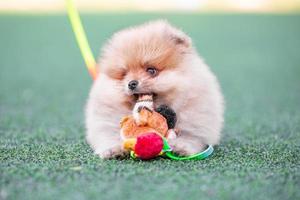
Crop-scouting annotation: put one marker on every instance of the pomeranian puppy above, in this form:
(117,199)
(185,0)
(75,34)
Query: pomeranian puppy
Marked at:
(159,59)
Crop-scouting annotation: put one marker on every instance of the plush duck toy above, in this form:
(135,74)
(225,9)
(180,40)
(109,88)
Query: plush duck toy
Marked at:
(144,130)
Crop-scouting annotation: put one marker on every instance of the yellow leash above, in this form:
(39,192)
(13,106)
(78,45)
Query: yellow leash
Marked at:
(81,39)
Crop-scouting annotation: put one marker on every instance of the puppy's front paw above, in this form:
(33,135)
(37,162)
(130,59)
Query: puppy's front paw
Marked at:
(184,148)
(116,152)
(179,148)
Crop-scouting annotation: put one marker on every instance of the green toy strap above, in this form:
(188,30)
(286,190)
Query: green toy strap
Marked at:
(198,156)
(167,151)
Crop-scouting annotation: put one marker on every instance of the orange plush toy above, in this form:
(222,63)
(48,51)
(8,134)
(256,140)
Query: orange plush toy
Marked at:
(142,132)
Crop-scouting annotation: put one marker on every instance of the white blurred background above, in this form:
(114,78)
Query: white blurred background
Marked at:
(154,5)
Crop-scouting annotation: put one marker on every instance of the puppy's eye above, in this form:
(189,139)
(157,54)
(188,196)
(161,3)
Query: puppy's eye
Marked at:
(117,74)
(152,71)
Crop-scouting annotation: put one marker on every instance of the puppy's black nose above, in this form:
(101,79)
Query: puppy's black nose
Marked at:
(133,84)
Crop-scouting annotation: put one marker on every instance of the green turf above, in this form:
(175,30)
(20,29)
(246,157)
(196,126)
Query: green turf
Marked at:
(44,86)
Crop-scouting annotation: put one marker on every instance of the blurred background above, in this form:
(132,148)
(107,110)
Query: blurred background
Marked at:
(251,45)
(154,5)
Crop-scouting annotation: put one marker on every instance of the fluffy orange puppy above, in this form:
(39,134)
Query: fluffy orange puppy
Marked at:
(154,58)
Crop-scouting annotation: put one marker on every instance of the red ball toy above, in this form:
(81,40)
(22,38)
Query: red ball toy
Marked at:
(148,146)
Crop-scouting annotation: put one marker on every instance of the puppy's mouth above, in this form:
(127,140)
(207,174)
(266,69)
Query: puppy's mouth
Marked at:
(137,94)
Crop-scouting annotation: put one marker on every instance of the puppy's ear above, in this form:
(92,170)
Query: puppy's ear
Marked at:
(181,40)
(178,37)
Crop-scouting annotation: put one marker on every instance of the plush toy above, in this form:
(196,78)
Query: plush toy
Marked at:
(145,146)
(144,130)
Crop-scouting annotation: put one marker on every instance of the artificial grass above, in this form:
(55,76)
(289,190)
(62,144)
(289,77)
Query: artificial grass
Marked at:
(44,86)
